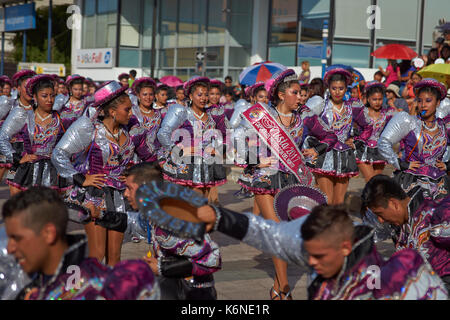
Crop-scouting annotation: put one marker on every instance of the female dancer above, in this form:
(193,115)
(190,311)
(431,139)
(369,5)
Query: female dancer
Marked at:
(201,166)
(98,184)
(333,171)
(75,105)
(425,140)
(266,178)
(145,121)
(370,120)
(40,128)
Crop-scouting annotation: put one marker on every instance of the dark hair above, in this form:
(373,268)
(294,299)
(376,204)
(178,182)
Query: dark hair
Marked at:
(144,173)
(162,87)
(416,72)
(282,87)
(143,85)
(197,85)
(179,88)
(261,88)
(133,73)
(379,190)
(114,103)
(304,88)
(447,48)
(216,85)
(316,87)
(379,73)
(404,66)
(229,91)
(229,78)
(373,90)
(77,81)
(326,219)
(430,59)
(22,79)
(337,77)
(38,206)
(43,84)
(435,92)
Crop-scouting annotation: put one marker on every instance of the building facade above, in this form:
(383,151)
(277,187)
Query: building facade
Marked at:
(165,37)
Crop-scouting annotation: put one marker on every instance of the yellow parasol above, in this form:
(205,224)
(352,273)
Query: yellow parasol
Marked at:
(440,72)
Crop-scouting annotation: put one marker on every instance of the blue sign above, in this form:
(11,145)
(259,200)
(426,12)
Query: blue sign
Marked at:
(310,51)
(21,17)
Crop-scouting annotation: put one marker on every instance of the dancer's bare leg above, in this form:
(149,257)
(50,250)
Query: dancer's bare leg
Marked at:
(326,185)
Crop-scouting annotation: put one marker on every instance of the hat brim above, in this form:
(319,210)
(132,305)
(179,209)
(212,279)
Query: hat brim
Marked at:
(428,82)
(277,80)
(138,82)
(171,207)
(281,200)
(348,76)
(35,80)
(110,97)
(188,84)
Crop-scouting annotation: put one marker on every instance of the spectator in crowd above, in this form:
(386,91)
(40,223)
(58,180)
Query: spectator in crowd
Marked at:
(132,78)
(392,73)
(305,75)
(394,100)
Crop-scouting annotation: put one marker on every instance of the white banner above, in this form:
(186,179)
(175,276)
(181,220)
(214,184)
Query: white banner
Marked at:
(95,58)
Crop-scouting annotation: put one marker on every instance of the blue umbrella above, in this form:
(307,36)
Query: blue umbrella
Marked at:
(261,71)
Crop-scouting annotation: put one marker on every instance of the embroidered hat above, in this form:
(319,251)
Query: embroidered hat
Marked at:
(296,201)
(374,84)
(217,84)
(123,76)
(142,80)
(5,79)
(279,77)
(109,91)
(250,91)
(74,77)
(333,71)
(188,84)
(31,83)
(21,74)
(430,82)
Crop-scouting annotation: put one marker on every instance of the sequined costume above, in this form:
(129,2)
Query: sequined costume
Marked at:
(340,161)
(71,111)
(418,146)
(6,104)
(143,130)
(100,155)
(37,140)
(406,275)
(270,180)
(428,231)
(369,131)
(239,127)
(203,169)
(128,280)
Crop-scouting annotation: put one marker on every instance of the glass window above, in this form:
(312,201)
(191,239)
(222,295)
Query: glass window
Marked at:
(394,14)
(147,24)
(313,14)
(166,58)
(282,54)
(106,30)
(107,6)
(186,57)
(146,58)
(216,57)
(241,20)
(88,35)
(217,21)
(191,27)
(354,55)
(315,9)
(356,26)
(129,58)
(214,73)
(435,10)
(283,21)
(89,8)
(168,24)
(130,21)
(239,57)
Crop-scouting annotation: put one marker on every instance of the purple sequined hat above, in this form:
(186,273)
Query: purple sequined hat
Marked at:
(74,77)
(277,78)
(218,83)
(188,84)
(35,80)
(5,79)
(373,84)
(296,201)
(22,73)
(250,91)
(345,73)
(430,82)
(109,91)
(142,80)
(123,75)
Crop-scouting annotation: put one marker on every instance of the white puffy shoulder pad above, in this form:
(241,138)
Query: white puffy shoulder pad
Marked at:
(316,104)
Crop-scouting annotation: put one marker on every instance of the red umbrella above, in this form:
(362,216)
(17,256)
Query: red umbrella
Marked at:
(394,51)
(171,81)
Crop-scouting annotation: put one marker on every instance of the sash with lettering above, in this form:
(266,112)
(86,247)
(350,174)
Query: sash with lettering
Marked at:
(279,142)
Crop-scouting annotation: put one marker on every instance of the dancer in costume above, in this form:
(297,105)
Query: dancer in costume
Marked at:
(161,96)
(185,266)
(36,222)
(269,175)
(370,120)
(334,170)
(97,181)
(40,129)
(123,79)
(201,166)
(145,122)
(425,224)
(75,105)
(425,140)
(6,86)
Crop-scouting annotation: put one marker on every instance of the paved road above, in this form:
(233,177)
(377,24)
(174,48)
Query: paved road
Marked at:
(247,273)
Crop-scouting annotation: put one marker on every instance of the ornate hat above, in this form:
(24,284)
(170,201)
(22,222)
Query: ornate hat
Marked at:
(170,206)
(217,83)
(188,84)
(279,77)
(142,80)
(250,91)
(74,77)
(348,76)
(29,87)
(19,75)
(90,82)
(374,84)
(109,91)
(430,82)
(123,75)
(296,201)
(5,79)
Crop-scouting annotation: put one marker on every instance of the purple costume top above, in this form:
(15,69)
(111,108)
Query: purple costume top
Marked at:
(418,145)
(428,231)
(143,131)
(370,129)
(128,280)
(71,111)
(205,257)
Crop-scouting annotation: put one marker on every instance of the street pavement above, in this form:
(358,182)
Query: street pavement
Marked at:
(247,273)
